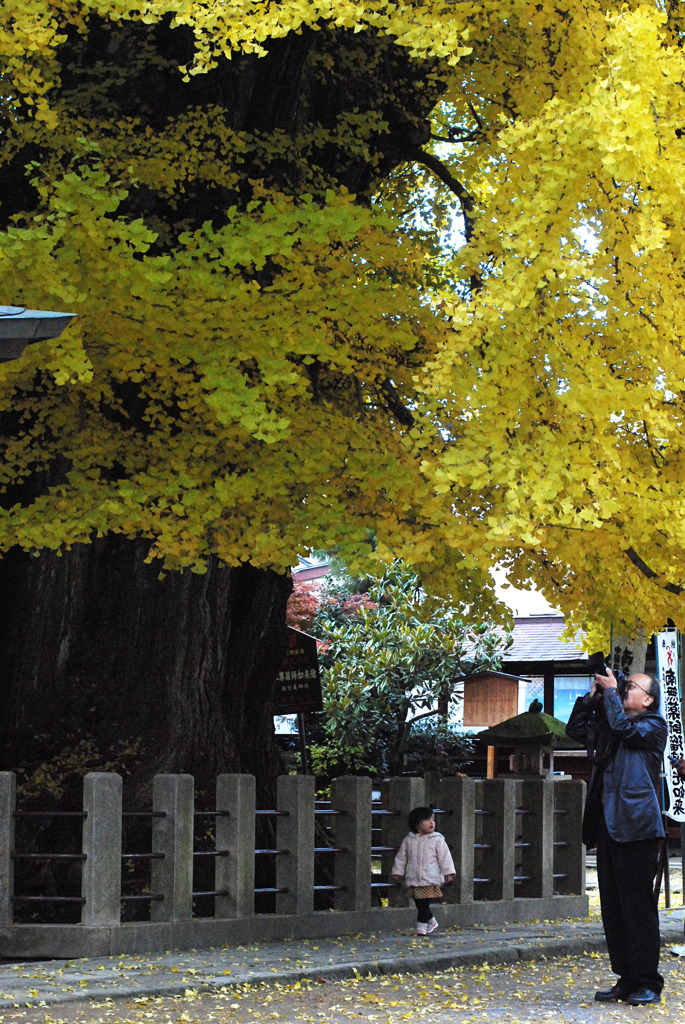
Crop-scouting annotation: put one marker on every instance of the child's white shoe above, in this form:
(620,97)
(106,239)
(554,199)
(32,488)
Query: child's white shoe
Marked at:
(421,928)
(431,926)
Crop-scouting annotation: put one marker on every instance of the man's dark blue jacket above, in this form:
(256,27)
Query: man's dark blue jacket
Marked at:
(625,779)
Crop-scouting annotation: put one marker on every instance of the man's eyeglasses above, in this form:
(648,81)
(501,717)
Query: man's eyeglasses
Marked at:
(636,686)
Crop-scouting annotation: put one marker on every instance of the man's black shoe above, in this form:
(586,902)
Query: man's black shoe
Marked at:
(643,996)
(613,994)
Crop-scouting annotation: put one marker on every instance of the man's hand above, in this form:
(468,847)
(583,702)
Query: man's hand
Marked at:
(602,683)
(449,879)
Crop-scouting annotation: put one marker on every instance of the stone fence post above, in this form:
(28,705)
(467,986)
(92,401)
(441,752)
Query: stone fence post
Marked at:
(569,851)
(535,833)
(8,795)
(295,833)
(495,818)
(101,881)
(457,797)
(351,828)
(172,835)
(235,835)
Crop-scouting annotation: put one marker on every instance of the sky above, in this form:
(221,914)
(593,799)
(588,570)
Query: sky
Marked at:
(521,602)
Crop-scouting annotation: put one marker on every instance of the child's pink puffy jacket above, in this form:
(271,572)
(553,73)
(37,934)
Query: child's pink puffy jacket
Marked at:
(423,860)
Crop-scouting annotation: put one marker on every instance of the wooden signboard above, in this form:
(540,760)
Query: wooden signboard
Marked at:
(298,684)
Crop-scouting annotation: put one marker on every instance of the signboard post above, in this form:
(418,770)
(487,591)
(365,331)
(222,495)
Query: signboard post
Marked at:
(298,684)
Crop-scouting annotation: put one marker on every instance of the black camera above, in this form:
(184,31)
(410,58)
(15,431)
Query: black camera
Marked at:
(598,663)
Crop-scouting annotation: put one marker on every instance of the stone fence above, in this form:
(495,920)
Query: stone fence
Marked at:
(516,846)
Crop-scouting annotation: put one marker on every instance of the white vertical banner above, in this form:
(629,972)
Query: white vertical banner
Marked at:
(668,670)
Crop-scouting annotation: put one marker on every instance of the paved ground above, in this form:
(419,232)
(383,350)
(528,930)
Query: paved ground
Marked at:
(515,973)
(60,984)
(558,991)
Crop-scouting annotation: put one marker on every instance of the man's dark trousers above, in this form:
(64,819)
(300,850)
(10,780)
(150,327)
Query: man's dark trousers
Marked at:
(625,875)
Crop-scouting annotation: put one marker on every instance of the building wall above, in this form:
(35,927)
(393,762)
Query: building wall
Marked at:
(489,700)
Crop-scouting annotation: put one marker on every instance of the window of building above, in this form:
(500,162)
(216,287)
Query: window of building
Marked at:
(566,690)
(530,690)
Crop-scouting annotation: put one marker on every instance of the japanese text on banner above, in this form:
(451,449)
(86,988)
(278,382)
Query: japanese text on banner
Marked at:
(668,669)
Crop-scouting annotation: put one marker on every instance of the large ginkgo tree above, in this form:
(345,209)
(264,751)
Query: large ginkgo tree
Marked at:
(403,270)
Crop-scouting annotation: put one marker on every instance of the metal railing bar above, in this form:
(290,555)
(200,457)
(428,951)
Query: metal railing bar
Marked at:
(49,856)
(154,897)
(143,814)
(50,814)
(143,856)
(48,899)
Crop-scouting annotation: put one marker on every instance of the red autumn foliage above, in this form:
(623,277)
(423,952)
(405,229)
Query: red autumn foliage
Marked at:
(306,601)
(303,605)
(355,603)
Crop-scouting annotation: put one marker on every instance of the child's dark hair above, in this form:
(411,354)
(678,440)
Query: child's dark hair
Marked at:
(418,815)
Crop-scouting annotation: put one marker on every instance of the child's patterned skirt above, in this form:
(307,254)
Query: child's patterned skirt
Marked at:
(425,892)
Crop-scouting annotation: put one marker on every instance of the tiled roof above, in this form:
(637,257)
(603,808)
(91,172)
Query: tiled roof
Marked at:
(310,562)
(536,638)
(310,568)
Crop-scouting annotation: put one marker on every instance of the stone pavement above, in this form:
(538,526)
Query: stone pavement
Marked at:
(45,983)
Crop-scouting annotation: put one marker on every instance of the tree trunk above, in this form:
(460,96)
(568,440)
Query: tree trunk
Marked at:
(101,657)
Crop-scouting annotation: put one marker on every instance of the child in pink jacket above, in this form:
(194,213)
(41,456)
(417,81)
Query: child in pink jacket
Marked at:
(424,862)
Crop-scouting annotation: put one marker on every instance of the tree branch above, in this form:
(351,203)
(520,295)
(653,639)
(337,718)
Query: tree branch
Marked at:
(396,405)
(460,191)
(424,714)
(406,729)
(639,563)
(453,184)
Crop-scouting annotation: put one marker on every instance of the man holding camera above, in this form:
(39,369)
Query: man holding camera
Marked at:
(625,737)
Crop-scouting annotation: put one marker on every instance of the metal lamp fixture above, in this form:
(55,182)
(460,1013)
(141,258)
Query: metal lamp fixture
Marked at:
(20,327)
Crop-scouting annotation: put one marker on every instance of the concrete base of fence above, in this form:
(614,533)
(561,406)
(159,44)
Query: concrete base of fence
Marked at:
(64,941)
